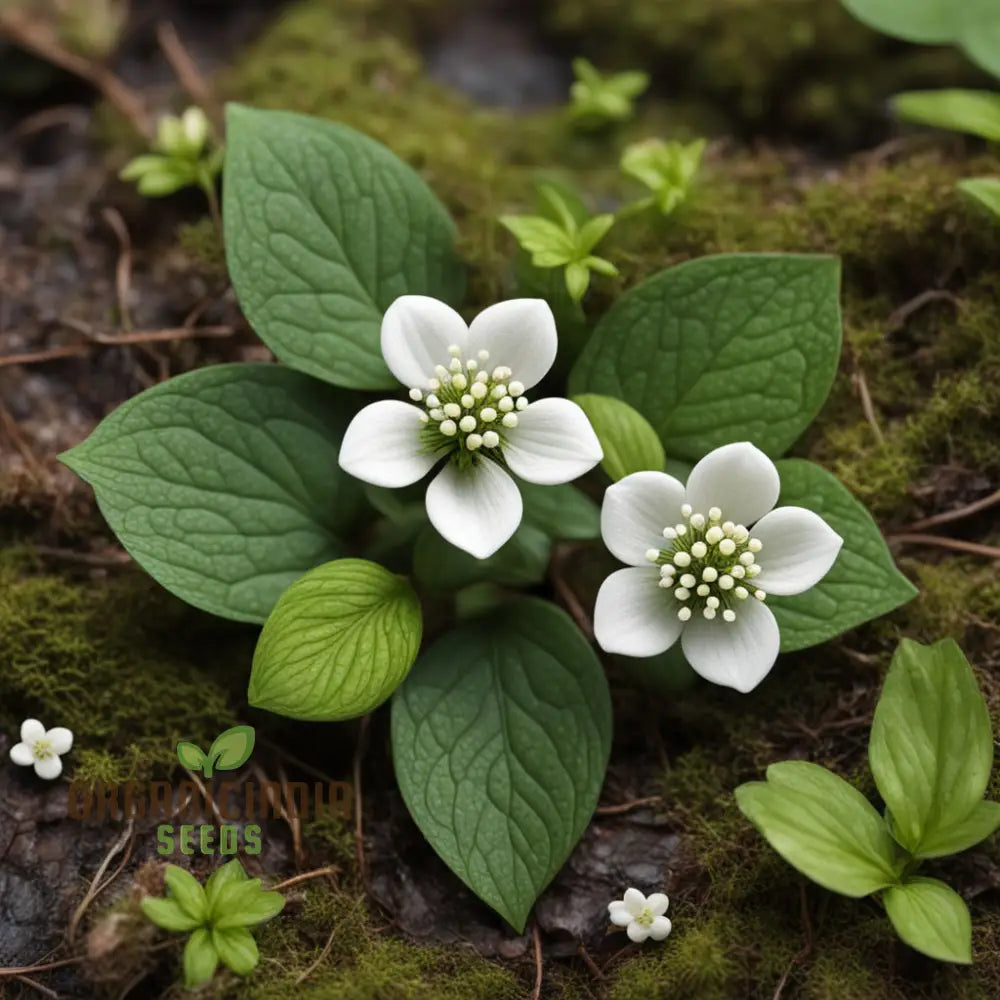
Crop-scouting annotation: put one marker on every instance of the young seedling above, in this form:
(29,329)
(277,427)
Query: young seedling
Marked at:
(668,169)
(596,99)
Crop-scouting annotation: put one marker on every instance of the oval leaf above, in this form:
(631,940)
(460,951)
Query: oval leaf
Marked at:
(982,822)
(562,511)
(190,756)
(223,483)
(236,949)
(232,748)
(629,443)
(929,21)
(974,111)
(863,583)
(500,739)
(735,347)
(931,745)
(822,826)
(338,643)
(932,918)
(324,229)
(985,190)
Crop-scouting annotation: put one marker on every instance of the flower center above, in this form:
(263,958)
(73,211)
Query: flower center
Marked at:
(42,749)
(469,406)
(709,564)
(646,918)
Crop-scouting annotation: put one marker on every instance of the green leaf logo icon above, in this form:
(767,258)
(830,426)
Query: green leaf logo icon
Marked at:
(229,750)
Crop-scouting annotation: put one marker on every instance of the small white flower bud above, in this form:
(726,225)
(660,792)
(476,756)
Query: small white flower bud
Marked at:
(433,401)
(433,384)
(448,428)
(710,574)
(477,390)
(467,401)
(754,545)
(713,602)
(747,558)
(652,554)
(669,534)
(742,593)
(442,373)
(682,559)
(455,366)
(699,550)
(491,439)
(686,510)
(424,419)
(505,405)
(454,350)
(682,593)
(681,529)
(459,381)
(665,582)
(522,402)
(714,514)
(452,410)
(684,614)
(714,535)
(759,594)
(725,582)
(437,414)
(753,570)
(471,365)
(487,414)
(698,521)
(668,570)
(509,420)
(728,528)
(516,388)
(703,590)
(729,615)
(738,572)
(483,355)
(474,441)
(708,613)
(499,392)
(467,423)
(416,395)
(727,546)
(741,534)
(482,376)
(687,580)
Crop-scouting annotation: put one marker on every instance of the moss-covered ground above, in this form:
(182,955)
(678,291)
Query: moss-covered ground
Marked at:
(911,428)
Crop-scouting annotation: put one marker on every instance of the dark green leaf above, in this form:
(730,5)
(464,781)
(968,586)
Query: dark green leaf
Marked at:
(562,512)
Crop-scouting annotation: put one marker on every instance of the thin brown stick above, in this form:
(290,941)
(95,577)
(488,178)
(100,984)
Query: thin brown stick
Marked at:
(301,764)
(946,517)
(304,877)
(10,430)
(27,970)
(359,823)
(40,38)
(154,336)
(205,795)
(624,807)
(313,966)
(565,592)
(33,357)
(958,544)
(293,819)
(123,267)
(96,887)
(867,408)
(898,317)
(188,74)
(36,985)
(592,966)
(536,937)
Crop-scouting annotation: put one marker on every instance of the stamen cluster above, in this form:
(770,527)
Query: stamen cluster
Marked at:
(469,406)
(709,564)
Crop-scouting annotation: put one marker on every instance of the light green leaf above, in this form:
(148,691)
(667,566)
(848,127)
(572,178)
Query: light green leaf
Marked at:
(931,745)
(577,280)
(186,891)
(230,873)
(324,229)
(232,748)
(982,822)
(822,826)
(243,904)
(521,561)
(592,232)
(734,347)
(168,914)
(863,583)
(145,164)
(629,443)
(337,644)
(190,755)
(540,237)
(986,190)
(500,739)
(931,917)
(200,959)
(974,111)
(223,483)
(562,512)
(979,32)
(930,21)
(236,948)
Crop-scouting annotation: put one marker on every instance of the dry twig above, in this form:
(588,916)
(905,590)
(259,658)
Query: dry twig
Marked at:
(124,842)
(188,74)
(958,544)
(536,937)
(359,830)
(946,517)
(304,877)
(624,807)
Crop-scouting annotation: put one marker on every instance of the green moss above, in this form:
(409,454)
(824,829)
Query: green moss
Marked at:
(202,242)
(129,669)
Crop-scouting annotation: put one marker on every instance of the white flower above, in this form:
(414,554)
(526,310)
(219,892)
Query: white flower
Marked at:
(469,384)
(642,916)
(699,574)
(42,747)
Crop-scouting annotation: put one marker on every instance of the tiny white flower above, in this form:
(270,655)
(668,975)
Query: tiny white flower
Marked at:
(477,372)
(42,747)
(641,916)
(786,550)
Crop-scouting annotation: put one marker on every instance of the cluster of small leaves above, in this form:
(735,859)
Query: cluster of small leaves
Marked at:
(218,917)
(931,753)
(596,99)
(185,154)
(668,169)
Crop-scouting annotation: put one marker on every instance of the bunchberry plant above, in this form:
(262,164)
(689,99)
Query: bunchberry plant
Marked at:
(217,917)
(42,748)
(668,169)
(931,753)
(564,243)
(405,449)
(596,99)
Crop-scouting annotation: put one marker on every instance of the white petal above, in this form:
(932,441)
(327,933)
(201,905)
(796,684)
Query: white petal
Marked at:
(634,901)
(798,549)
(32,731)
(739,479)
(635,511)
(476,509)
(21,753)
(619,913)
(633,615)
(637,932)
(660,928)
(520,334)
(657,903)
(382,445)
(49,768)
(416,334)
(735,654)
(60,739)
(552,443)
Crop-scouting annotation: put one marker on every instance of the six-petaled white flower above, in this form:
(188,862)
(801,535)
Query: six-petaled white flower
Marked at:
(703,560)
(641,916)
(467,385)
(42,747)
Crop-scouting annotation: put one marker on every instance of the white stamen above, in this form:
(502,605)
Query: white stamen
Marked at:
(467,423)
(424,418)
(491,439)
(452,410)
(681,529)
(483,355)
(727,546)
(709,613)
(698,521)
(753,570)
(468,401)
(471,365)
(437,414)
(432,400)
(725,582)
(741,534)
(474,441)
(505,405)
(687,580)
(669,534)
(699,550)
(459,381)
(742,593)
(652,554)
(684,614)
(499,392)
(747,558)
(754,545)
(516,388)
(477,390)
(728,527)
(416,395)
(759,594)
(682,559)
(682,593)
(455,365)
(522,402)
(433,384)
(729,615)
(448,427)
(509,420)
(710,574)
(713,602)
(738,572)
(686,510)
(714,514)
(714,535)
(703,590)
(454,350)
(487,414)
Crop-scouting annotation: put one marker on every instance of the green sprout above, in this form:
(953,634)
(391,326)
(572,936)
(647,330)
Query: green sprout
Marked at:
(186,154)
(668,169)
(596,99)
(563,243)
(218,916)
